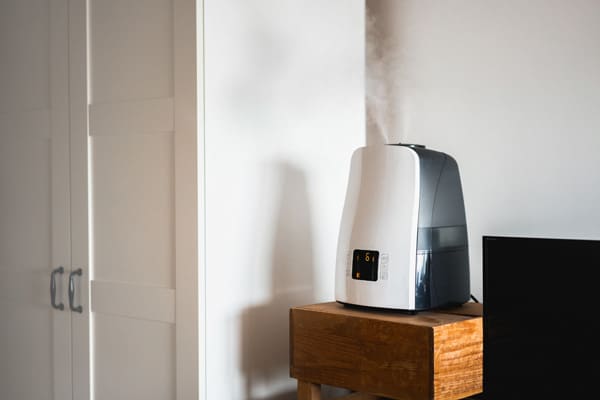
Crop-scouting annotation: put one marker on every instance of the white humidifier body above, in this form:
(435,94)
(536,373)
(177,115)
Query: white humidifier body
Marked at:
(403,236)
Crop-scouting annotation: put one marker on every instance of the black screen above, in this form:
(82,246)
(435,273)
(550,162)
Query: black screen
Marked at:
(540,309)
(365,264)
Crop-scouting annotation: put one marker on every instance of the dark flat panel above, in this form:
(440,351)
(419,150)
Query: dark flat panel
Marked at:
(539,303)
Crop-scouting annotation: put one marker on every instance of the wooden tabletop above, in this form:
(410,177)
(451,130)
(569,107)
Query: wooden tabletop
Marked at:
(431,318)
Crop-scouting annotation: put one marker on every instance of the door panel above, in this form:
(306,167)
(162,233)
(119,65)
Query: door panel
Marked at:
(131,50)
(24,30)
(34,200)
(142,182)
(133,208)
(134,358)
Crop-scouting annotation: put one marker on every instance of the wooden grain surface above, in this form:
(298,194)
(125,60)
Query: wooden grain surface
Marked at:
(458,359)
(388,354)
(423,318)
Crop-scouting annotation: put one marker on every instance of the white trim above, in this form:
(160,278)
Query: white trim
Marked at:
(132,117)
(186,199)
(55,125)
(150,303)
(80,327)
(200,78)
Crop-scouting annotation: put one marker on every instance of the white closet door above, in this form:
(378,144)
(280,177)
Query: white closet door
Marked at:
(35,341)
(142,148)
(120,203)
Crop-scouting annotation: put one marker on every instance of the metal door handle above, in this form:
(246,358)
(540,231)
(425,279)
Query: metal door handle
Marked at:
(78,309)
(55,271)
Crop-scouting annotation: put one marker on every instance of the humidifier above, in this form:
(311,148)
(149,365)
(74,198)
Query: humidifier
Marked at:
(402,242)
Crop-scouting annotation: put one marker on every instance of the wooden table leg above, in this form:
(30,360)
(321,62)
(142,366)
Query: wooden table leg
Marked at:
(309,391)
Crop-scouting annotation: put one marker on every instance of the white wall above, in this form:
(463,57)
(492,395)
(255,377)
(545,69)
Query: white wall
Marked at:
(284,111)
(512,90)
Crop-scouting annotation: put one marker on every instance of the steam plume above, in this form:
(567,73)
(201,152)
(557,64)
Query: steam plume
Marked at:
(380,78)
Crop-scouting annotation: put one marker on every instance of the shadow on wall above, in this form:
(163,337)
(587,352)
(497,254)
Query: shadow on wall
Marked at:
(265,328)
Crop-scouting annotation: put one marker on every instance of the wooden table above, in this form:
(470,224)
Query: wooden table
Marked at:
(430,355)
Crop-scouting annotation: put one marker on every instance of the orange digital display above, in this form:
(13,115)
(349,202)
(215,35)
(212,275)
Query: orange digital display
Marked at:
(365,264)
